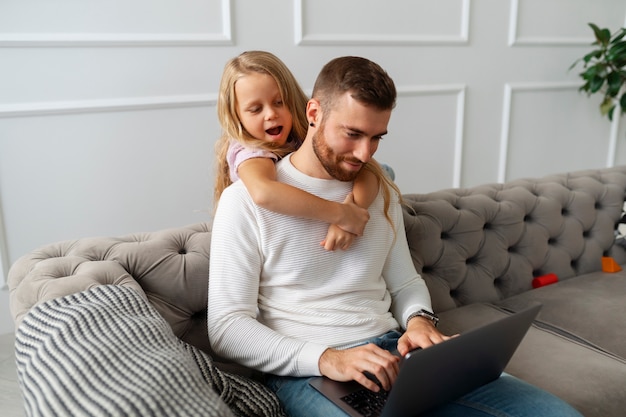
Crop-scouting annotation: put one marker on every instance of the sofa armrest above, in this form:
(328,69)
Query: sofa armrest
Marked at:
(169,267)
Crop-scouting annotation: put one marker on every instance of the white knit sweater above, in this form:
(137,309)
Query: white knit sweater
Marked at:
(277,299)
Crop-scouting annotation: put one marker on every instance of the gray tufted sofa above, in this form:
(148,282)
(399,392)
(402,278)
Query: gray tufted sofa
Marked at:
(478,250)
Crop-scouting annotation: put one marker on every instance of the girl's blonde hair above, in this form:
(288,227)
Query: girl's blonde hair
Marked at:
(292,95)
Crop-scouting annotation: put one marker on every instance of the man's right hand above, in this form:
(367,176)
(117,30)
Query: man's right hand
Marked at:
(354,218)
(351,364)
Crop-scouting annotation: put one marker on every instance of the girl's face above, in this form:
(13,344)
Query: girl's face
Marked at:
(261,109)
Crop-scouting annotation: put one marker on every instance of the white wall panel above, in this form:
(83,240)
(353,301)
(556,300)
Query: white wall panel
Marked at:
(547,129)
(62,179)
(371,22)
(425,136)
(114,23)
(55,74)
(541,22)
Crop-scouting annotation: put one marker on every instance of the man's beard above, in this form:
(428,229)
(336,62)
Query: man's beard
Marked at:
(330,160)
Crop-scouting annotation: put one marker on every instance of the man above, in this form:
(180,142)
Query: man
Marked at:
(281,304)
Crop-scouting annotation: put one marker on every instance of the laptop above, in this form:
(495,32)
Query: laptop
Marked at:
(438,374)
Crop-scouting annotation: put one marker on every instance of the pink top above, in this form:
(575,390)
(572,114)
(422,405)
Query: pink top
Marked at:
(237,153)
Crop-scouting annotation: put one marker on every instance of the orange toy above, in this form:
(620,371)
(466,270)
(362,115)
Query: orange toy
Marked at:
(609,265)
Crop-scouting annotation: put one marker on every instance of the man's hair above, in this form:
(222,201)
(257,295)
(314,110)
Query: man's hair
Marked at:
(364,80)
(368,84)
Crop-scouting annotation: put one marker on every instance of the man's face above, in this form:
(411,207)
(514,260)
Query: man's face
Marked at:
(348,137)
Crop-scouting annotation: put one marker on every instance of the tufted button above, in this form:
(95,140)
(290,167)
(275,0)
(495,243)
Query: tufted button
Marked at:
(182,251)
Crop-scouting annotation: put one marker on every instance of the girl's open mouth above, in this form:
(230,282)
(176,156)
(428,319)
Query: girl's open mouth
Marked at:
(274,131)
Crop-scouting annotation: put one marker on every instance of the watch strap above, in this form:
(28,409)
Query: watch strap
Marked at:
(423,313)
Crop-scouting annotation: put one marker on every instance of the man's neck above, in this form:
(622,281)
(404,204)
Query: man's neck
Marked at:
(305,160)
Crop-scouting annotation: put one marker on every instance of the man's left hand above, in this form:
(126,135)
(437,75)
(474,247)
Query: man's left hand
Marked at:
(420,333)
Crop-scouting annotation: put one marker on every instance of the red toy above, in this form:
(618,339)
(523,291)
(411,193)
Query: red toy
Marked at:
(544,280)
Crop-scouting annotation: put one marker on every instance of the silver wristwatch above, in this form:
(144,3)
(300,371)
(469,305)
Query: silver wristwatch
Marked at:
(424,313)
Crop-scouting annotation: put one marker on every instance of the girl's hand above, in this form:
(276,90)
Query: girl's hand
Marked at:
(354,218)
(337,238)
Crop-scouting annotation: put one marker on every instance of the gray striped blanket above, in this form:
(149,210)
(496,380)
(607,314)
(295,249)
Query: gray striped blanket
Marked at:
(107,352)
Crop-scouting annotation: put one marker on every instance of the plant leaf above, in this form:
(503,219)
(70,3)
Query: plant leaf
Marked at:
(620,35)
(606,106)
(622,103)
(594,54)
(574,64)
(597,70)
(595,84)
(605,36)
(585,87)
(596,32)
(617,52)
(614,82)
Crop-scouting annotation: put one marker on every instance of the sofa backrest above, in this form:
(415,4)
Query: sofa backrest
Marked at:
(487,243)
(470,245)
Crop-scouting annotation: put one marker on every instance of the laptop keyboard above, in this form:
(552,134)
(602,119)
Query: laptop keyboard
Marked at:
(367,403)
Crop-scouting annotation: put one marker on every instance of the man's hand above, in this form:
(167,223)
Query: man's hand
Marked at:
(420,333)
(350,364)
(354,218)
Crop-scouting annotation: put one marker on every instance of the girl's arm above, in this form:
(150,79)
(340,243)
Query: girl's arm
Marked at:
(259,177)
(365,190)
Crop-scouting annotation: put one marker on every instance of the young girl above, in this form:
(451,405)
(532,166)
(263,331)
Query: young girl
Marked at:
(261,109)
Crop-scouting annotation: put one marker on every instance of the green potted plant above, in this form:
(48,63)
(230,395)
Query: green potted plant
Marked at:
(604,69)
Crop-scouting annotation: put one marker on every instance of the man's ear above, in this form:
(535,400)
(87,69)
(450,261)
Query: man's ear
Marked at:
(313,111)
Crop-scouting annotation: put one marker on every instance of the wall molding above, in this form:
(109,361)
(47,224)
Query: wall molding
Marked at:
(611,156)
(302,39)
(447,89)
(24,40)
(515,40)
(4,253)
(510,89)
(106,105)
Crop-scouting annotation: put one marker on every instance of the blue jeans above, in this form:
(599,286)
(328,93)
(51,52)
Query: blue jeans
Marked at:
(505,397)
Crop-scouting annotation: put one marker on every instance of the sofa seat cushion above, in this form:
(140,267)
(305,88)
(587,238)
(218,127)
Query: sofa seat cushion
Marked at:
(590,308)
(589,379)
